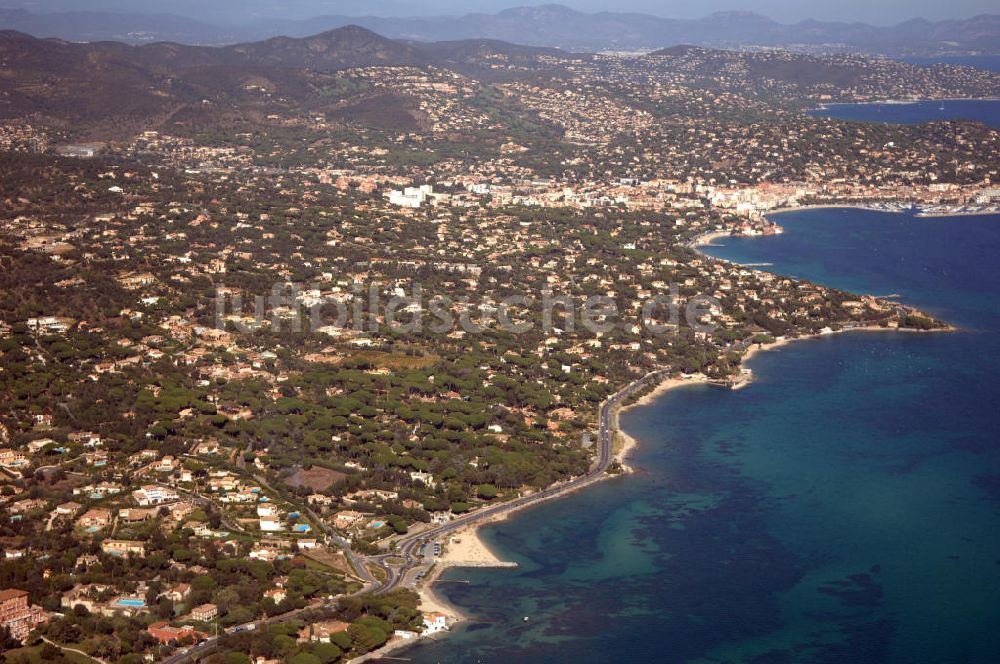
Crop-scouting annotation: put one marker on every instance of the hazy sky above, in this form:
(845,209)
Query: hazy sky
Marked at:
(786,11)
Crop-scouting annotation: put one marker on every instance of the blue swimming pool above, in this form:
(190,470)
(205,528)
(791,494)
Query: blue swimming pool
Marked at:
(133,603)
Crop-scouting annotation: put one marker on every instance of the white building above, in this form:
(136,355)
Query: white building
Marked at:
(411,197)
(270,524)
(421,476)
(434,623)
(49,324)
(154,495)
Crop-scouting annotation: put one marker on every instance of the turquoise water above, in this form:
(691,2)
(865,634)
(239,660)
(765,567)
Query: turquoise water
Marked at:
(986,111)
(130,602)
(843,508)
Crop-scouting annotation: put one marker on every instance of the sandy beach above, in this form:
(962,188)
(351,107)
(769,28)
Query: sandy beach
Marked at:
(464,548)
(825,206)
(706,239)
(625,443)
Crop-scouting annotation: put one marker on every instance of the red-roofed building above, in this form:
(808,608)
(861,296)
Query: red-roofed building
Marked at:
(323,630)
(166,634)
(435,622)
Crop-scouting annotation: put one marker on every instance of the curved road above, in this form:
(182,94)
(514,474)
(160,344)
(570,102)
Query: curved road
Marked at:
(406,546)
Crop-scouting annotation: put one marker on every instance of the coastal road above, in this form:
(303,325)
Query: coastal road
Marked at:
(408,545)
(207,646)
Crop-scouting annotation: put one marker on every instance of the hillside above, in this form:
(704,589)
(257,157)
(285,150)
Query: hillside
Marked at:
(100,81)
(122,89)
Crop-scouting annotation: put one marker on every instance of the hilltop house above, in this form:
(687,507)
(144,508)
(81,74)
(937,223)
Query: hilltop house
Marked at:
(96,518)
(123,548)
(154,495)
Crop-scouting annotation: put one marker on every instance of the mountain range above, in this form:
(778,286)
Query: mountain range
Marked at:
(547,25)
(114,88)
(111,83)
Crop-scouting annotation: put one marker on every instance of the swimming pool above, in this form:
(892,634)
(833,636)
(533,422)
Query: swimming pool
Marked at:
(132,603)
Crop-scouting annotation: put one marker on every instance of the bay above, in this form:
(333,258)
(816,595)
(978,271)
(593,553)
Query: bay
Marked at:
(845,507)
(986,111)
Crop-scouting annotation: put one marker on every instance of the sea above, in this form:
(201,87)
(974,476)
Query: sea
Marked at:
(842,508)
(986,111)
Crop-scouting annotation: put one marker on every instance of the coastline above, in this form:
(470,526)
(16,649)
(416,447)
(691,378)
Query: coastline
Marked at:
(871,207)
(973,213)
(745,378)
(835,206)
(826,106)
(466,548)
(746,374)
(628,442)
(707,238)
(780,342)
